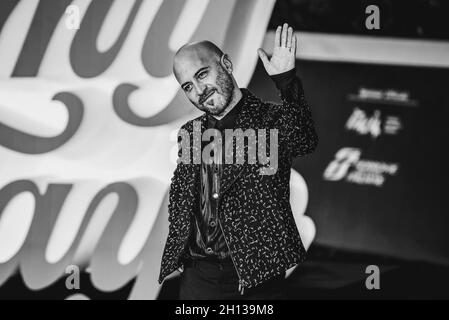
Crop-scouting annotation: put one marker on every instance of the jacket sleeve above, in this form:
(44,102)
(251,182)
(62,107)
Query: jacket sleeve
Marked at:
(177,212)
(293,117)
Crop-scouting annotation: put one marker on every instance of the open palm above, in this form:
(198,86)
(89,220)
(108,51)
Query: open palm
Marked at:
(284,52)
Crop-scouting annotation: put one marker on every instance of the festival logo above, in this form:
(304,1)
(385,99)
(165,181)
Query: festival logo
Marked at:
(373,125)
(350,167)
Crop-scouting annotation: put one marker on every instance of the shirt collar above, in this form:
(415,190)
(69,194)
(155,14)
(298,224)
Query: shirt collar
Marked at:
(228,121)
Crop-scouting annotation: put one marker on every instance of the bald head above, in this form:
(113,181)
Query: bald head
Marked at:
(205,76)
(204,51)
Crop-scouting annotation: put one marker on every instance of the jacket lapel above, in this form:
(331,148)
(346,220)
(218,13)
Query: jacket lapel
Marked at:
(197,167)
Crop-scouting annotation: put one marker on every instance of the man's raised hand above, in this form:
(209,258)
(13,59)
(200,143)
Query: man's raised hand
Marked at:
(284,52)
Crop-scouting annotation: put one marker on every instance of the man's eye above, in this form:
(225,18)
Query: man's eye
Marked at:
(202,75)
(187,87)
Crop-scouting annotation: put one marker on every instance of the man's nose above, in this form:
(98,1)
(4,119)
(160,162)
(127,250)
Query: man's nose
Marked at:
(199,88)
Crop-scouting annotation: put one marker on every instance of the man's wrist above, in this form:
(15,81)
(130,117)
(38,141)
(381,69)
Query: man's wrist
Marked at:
(282,80)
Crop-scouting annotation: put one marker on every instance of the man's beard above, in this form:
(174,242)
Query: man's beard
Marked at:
(226,87)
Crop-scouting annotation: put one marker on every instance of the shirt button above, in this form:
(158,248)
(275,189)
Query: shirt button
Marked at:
(209,250)
(213,223)
(215,195)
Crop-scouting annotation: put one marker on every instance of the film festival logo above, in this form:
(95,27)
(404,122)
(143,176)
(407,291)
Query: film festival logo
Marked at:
(377,124)
(364,124)
(348,165)
(212,152)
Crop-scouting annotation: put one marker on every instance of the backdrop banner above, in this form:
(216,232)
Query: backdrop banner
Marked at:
(89,115)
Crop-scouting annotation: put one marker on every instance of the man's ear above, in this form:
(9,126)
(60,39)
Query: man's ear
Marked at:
(226,63)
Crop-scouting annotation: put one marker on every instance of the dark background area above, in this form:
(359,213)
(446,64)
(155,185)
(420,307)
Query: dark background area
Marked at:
(406,217)
(414,19)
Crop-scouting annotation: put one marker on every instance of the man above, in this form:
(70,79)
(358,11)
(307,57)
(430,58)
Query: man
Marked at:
(232,233)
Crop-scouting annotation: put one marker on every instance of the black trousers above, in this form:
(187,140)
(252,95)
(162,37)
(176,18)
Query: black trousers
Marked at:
(213,280)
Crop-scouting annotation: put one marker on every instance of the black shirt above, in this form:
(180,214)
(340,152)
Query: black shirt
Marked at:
(208,240)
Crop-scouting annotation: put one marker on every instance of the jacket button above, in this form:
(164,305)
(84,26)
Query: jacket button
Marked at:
(215,195)
(209,250)
(212,223)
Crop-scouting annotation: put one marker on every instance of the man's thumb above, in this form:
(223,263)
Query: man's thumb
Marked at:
(263,56)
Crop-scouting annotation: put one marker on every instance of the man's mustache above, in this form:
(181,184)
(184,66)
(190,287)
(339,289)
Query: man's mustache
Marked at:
(204,96)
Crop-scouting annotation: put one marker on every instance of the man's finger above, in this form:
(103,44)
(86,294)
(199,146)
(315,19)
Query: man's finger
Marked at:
(289,37)
(293,48)
(284,35)
(277,38)
(263,56)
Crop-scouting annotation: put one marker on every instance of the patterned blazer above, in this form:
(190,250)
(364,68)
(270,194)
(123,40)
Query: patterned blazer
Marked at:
(254,209)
